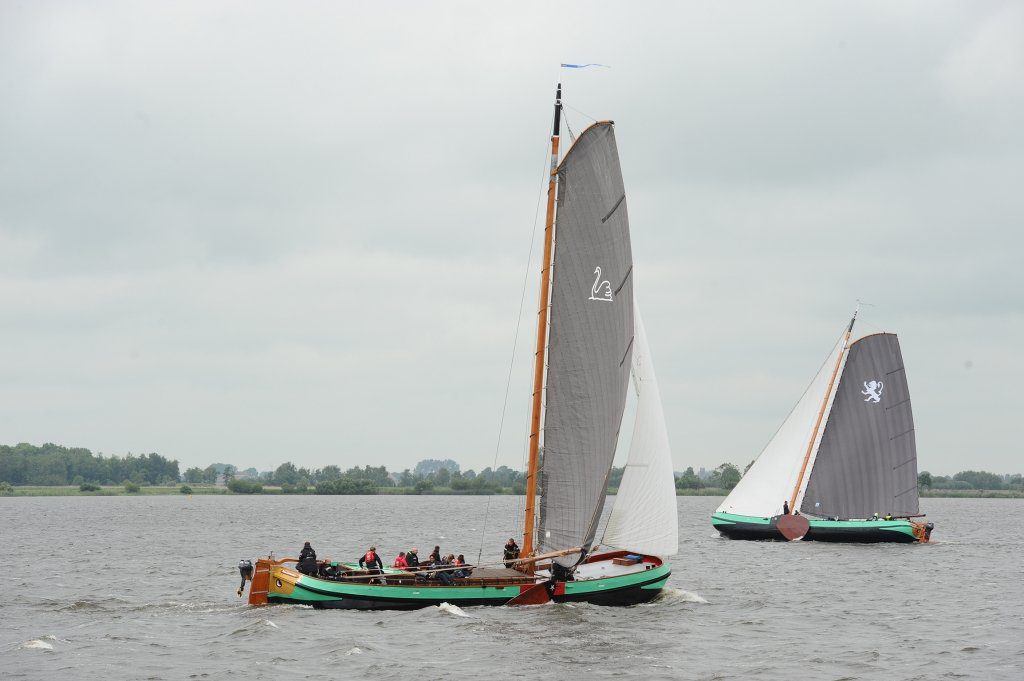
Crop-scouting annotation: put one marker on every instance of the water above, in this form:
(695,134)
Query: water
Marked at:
(144,587)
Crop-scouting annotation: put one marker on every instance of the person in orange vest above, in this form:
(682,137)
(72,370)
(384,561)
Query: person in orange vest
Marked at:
(461,562)
(371,561)
(400,561)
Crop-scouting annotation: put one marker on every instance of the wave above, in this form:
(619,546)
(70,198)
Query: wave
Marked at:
(674,595)
(197,607)
(453,610)
(88,604)
(41,643)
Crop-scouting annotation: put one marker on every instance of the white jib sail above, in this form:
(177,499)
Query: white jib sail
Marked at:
(770,481)
(644,518)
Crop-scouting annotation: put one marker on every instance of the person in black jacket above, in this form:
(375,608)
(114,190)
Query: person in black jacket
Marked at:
(371,561)
(412,557)
(511,551)
(307,560)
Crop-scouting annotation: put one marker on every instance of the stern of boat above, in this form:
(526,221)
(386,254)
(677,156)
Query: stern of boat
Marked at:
(922,531)
(617,578)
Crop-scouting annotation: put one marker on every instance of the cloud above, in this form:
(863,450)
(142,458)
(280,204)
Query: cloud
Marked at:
(228,232)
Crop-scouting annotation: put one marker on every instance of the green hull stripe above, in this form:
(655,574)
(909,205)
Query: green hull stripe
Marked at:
(587,586)
(320,590)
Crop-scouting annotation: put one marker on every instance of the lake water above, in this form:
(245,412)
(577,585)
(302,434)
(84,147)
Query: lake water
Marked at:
(144,588)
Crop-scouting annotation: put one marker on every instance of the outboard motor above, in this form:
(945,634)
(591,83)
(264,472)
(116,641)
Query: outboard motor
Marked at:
(246,570)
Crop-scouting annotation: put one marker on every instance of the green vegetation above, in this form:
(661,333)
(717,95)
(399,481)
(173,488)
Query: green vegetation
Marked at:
(53,470)
(346,485)
(721,480)
(51,464)
(970,483)
(245,487)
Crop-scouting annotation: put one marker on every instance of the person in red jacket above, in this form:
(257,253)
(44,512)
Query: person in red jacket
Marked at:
(400,561)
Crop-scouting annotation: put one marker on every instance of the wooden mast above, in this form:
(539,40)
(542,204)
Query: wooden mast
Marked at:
(821,414)
(542,337)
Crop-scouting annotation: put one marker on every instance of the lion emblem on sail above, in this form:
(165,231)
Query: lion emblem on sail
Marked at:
(873,390)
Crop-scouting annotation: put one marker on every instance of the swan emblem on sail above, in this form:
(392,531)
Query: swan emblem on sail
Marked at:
(601,290)
(873,390)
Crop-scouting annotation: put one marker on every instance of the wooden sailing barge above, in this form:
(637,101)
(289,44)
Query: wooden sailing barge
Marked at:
(590,342)
(843,466)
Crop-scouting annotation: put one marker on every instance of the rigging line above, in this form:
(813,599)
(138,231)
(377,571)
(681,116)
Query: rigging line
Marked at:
(572,135)
(585,115)
(515,346)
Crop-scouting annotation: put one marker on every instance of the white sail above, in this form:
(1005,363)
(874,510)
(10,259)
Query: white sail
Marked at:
(770,481)
(644,518)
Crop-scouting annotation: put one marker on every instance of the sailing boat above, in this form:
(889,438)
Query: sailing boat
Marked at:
(843,466)
(590,339)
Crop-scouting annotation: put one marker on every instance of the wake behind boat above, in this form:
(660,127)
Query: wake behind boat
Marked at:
(590,340)
(843,466)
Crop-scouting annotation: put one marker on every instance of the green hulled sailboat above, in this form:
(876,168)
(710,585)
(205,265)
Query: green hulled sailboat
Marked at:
(590,341)
(843,466)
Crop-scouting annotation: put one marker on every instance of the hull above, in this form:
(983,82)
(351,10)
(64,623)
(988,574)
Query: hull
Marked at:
(851,531)
(602,581)
(288,586)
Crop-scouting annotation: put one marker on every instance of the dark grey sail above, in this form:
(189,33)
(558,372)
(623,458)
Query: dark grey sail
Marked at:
(590,345)
(867,460)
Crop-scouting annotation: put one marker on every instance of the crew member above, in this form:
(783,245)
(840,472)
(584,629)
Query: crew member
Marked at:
(511,551)
(400,561)
(371,561)
(307,560)
(412,559)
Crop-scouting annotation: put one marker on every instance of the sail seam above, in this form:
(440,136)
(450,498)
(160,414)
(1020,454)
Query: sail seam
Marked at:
(905,492)
(891,406)
(624,279)
(614,208)
(890,373)
(904,463)
(901,434)
(626,354)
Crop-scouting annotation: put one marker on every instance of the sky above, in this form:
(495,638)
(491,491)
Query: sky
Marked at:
(254,232)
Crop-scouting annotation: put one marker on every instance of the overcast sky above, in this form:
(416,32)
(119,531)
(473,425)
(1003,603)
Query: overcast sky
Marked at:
(256,232)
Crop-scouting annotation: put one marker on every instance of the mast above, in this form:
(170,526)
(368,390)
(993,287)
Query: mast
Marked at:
(821,414)
(542,336)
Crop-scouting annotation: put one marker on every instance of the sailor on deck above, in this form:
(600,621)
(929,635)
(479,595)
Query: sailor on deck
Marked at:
(511,551)
(371,561)
(307,560)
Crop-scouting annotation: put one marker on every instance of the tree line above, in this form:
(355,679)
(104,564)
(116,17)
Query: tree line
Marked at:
(51,464)
(429,475)
(979,480)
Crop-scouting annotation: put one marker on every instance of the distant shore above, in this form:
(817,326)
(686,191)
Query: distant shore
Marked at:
(119,491)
